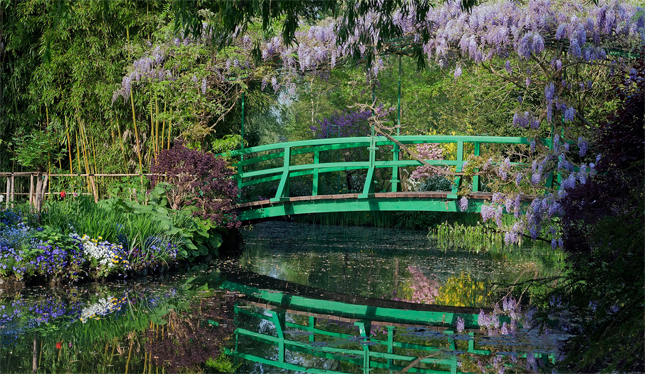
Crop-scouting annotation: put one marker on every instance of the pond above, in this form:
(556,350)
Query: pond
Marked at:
(299,298)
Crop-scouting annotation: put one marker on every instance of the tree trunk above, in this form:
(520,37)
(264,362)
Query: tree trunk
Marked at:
(41,187)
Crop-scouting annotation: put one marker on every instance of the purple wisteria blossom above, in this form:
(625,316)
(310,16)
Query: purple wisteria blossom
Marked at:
(463,204)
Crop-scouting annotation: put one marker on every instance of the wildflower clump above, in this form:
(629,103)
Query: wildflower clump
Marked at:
(103,307)
(104,256)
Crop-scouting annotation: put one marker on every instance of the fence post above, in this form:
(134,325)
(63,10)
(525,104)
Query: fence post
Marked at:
(31,192)
(13,187)
(8,187)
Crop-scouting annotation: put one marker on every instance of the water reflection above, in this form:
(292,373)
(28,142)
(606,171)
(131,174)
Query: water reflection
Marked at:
(387,263)
(301,298)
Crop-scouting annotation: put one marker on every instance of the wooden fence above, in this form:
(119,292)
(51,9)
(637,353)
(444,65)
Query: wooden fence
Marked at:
(40,186)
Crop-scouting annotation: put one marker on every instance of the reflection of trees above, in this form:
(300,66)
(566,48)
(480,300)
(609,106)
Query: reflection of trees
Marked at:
(191,337)
(462,291)
(420,289)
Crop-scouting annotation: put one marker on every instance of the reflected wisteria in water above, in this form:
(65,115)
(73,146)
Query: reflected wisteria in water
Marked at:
(347,300)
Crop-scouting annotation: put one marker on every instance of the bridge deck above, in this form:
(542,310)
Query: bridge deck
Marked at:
(436,201)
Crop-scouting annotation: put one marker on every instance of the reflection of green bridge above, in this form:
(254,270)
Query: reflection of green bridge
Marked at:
(366,314)
(283,162)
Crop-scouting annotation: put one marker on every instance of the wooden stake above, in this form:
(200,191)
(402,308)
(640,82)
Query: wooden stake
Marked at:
(31,193)
(8,190)
(35,357)
(13,186)
(136,134)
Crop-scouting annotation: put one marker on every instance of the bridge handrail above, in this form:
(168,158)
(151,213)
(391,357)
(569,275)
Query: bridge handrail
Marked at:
(315,146)
(405,139)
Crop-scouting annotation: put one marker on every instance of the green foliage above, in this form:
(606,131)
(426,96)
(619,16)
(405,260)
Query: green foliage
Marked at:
(227,143)
(36,150)
(196,236)
(222,364)
(477,237)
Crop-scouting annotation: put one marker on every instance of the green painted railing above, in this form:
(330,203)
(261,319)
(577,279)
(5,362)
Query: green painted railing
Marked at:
(250,170)
(444,358)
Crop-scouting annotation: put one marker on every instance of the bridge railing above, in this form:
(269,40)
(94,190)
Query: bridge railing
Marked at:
(250,170)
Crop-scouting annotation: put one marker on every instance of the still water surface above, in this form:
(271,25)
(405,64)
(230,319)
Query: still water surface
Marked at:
(299,297)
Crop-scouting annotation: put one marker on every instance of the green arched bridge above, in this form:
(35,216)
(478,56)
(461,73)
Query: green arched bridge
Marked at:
(311,160)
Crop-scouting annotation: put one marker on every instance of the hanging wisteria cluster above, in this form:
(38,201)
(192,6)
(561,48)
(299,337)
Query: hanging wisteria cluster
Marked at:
(537,41)
(488,31)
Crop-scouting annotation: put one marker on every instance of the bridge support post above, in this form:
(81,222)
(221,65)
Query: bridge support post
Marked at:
(312,326)
(395,169)
(369,180)
(476,177)
(314,188)
(460,165)
(365,327)
(283,187)
(278,320)
(390,342)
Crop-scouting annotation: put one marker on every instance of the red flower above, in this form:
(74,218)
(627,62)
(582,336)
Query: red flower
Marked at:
(62,194)
(59,345)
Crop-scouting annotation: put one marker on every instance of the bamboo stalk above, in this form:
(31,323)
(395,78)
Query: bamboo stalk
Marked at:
(96,165)
(112,354)
(156,129)
(145,361)
(136,134)
(78,152)
(169,132)
(69,148)
(163,125)
(86,159)
(40,357)
(127,363)
(125,160)
(87,162)
(152,135)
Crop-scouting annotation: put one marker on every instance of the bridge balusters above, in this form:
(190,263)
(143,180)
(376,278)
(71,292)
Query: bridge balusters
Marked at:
(312,327)
(314,189)
(278,318)
(369,180)
(395,169)
(476,177)
(460,165)
(283,187)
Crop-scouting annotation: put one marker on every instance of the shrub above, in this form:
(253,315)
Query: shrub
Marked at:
(199,181)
